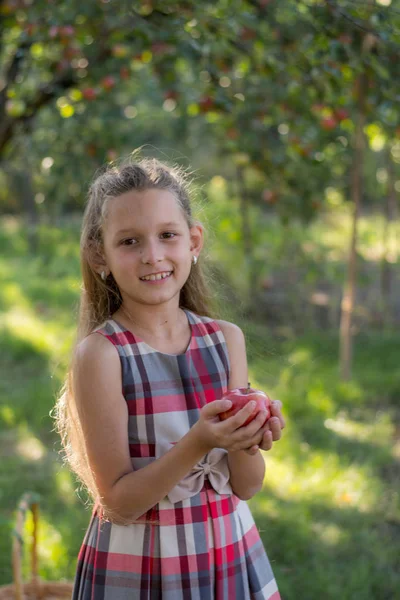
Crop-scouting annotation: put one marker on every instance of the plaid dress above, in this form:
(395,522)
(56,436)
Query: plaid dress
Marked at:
(205,545)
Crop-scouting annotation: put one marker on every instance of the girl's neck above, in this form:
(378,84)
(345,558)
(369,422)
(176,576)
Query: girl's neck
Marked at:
(155,324)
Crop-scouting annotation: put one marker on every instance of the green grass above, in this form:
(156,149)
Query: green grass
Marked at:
(330,508)
(329,512)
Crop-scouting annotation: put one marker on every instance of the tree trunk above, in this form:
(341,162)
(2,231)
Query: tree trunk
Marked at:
(386,269)
(20,182)
(349,292)
(246,229)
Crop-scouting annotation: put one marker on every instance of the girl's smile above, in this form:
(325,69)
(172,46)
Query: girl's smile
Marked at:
(157,277)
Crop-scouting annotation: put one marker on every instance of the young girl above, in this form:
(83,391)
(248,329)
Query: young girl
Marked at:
(139,414)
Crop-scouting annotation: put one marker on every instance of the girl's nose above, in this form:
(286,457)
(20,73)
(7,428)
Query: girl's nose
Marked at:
(151,253)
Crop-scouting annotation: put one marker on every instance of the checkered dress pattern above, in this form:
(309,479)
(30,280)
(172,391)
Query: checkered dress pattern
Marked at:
(203,547)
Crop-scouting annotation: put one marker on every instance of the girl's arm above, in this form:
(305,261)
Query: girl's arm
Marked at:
(125,493)
(247,471)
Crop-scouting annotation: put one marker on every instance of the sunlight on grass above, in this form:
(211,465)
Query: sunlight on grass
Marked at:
(300,356)
(48,338)
(7,415)
(52,553)
(376,433)
(25,325)
(30,447)
(63,480)
(13,296)
(351,391)
(325,479)
(334,229)
(329,533)
(318,397)
(6,271)
(396,449)
(13,239)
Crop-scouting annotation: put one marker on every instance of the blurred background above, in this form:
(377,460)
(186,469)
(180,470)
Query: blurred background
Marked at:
(287,114)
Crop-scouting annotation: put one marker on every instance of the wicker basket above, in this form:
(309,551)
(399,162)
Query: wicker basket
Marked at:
(35,589)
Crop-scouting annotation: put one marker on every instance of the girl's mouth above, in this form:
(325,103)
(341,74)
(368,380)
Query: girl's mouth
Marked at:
(159,278)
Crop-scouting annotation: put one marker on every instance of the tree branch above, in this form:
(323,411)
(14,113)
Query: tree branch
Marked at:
(44,96)
(12,72)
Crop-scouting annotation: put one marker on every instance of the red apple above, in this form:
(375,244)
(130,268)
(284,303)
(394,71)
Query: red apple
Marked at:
(53,31)
(247,33)
(171,95)
(345,38)
(240,397)
(67,30)
(124,73)
(206,104)
(232,133)
(160,47)
(269,196)
(328,123)
(108,82)
(341,114)
(89,93)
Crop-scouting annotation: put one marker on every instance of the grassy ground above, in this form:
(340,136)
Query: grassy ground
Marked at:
(329,513)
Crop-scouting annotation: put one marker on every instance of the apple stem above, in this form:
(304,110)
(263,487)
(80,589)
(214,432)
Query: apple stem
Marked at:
(248,386)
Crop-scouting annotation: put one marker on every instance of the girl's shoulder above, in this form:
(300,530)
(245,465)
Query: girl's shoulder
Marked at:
(233,335)
(227,328)
(225,331)
(204,325)
(110,330)
(95,344)
(93,355)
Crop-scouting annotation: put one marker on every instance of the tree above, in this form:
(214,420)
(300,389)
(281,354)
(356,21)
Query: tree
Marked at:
(270,84)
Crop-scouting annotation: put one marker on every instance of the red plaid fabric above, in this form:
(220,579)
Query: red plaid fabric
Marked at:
(204,547)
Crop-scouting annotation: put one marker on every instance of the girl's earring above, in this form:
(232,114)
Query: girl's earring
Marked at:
(103,275)
(194,259)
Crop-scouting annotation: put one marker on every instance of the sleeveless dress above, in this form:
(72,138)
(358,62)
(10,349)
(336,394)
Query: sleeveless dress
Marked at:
(205,545)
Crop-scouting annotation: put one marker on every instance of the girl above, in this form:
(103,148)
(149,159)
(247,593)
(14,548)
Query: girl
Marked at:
(139,414)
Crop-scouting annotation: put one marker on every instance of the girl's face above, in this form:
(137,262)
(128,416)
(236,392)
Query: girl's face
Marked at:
(146,233)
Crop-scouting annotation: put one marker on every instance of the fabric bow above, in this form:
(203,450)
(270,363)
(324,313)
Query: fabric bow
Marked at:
(214,465)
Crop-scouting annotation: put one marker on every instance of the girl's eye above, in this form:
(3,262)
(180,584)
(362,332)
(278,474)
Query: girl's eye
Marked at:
(132,241)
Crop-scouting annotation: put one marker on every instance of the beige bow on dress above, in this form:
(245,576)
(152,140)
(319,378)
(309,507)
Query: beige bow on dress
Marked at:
(214,465)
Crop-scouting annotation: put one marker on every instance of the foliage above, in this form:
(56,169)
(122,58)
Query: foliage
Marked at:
(265,84)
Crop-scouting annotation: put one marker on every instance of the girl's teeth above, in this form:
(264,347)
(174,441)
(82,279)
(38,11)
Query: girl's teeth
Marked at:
(156,277)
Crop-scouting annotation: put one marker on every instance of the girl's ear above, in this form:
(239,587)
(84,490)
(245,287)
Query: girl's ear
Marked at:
(96,259)
(196,236)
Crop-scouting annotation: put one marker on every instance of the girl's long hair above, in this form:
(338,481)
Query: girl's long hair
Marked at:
(100,299)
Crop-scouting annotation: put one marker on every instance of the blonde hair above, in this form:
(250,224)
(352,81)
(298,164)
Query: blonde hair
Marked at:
(100,299)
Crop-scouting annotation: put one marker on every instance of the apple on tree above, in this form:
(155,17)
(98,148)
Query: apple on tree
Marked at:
(108,82)
(328,123)
(240,397)
(89,93)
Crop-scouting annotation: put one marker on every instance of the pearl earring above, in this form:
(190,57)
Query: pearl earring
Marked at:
(103,275)
(194,259)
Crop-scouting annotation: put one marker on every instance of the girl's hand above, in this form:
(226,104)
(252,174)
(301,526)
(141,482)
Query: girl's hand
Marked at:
(273,429)
(229,434)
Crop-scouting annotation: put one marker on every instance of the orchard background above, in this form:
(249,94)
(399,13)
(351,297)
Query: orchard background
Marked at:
(287,113)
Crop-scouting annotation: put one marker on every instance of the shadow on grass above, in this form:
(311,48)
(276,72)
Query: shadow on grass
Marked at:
(303,374)
(312,543)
